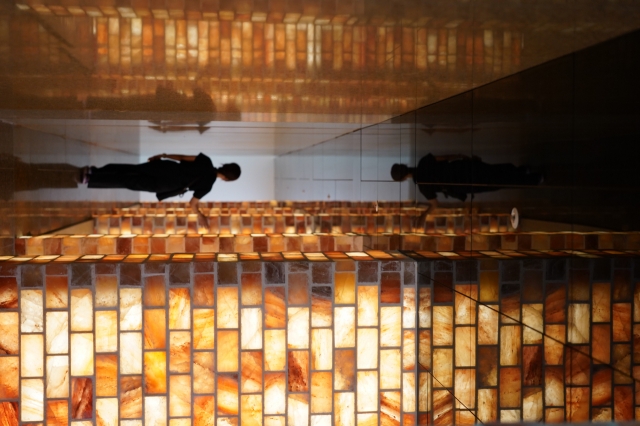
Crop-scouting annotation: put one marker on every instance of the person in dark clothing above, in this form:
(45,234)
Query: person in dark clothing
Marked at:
(165,178)
(458,175)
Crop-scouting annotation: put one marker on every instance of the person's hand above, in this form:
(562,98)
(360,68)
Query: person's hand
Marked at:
(203,221)
(157,157)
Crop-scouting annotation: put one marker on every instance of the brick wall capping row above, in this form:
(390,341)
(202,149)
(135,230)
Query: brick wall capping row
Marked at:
(312,257)
(104,244)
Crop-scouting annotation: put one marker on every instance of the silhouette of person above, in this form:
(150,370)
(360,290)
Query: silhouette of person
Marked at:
(458,175)
(164,177)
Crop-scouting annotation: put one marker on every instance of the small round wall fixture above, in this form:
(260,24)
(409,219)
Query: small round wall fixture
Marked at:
(515,218)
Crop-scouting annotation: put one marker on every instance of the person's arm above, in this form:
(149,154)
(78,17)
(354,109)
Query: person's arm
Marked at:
(176,157)
(451,157)
(202,219)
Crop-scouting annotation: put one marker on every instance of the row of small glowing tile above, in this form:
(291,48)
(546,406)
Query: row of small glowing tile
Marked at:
(178,386)
(324,256)
(220,257)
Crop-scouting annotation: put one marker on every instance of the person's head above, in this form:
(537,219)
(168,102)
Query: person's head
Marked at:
(400,172)
(229,172)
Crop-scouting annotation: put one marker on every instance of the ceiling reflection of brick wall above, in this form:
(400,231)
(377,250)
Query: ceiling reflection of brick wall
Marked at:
(249,63)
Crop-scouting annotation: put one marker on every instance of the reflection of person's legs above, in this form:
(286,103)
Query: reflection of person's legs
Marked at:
(112,176)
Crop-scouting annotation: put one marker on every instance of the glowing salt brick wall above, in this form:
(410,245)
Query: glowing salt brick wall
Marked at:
(552,340)
(149,340)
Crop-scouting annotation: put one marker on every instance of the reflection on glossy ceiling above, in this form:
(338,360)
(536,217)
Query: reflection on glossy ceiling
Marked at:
(275,60)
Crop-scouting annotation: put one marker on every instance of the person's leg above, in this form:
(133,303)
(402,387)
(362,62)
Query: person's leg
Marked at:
(112,176)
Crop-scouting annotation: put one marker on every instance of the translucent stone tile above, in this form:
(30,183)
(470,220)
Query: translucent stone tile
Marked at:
(81,398)
(390,360)
(390,407)
(510,344)
(442,367)
(274,393)
(578,321)
(344,369)
(31,311)
(298,409)
(601,303)
(298,328)
(621,322)
(465,388)
(488,405)
(155,328)
(510,387)
(251,409)
(57,292)
(390,326)
(408,350)
(298,371)
(131,353)
(203,372)
(106,375)
(532,324)
(57,376)
(532,406)
(321,419)
(131,397)
(130,309)
(487,325)
(321,307)
(227,395)
(345,285)
(371,419)
(154,291)
(465,344)
(367,348)
(275,312)
(180,351)
(9,331)
(107,411)
(228,359)
(203,328)
(57,413)
(155,410)
(155,372)
(106,290)
(345,327)
(424,392)
(227,307)
(179,395)
(368,306)
(81,310)
(344,404)
(204,408)
(409,308)
(106,331)
(275,350)
(408,392)
(321,349)
(32,400)
(424,308)
(442,325)
(321,392)
(123,423)
(179,309)
(465,305)
(367,391)
(275,421)
(31,358)
(487,365)
(9,377)
(554,343)
(251,328)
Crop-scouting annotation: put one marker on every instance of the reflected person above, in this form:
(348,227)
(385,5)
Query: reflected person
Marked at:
(166,175)
(458,175)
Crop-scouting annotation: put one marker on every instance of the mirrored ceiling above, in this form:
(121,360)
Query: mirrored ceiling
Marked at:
(334,61)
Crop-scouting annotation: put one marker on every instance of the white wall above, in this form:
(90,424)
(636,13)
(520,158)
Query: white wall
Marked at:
(255,183)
